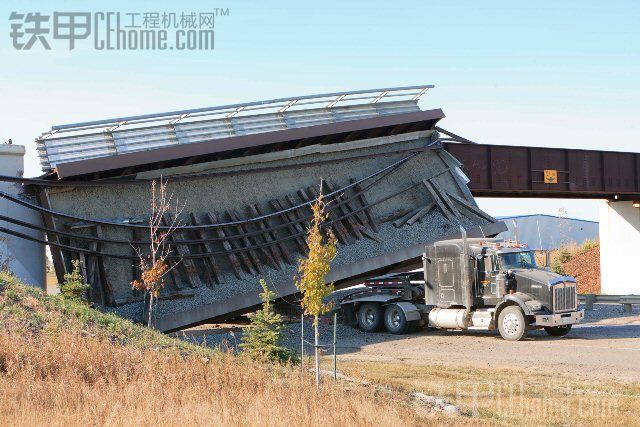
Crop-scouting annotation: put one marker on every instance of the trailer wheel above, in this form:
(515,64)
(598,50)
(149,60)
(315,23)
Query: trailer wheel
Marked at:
(512,323)
(370,317)
(395,321)
(558,331)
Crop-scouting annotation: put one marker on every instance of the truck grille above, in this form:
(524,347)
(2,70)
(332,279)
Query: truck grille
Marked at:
(564,297)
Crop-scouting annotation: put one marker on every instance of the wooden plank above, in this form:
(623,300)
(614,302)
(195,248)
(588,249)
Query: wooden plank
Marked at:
(421,213)
(254,239)
(296,228)
(339,230)
(438,201)
(289,258)
(445,198)
(107,288)
(403,220)
(231,256)
(214,271)
(395,215)
(202,264)
(49,222)
(238,248)
(271,246)
(189,265)
(173,265)
(363,200)
(83,263)
(253,253)
(359,214)
(360,220)
(343,210)
(93,276)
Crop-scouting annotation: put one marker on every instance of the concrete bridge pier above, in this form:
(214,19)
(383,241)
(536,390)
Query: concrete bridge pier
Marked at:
(23,258)
(620,247)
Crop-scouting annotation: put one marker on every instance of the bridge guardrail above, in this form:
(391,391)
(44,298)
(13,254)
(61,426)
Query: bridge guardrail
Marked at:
(625,300)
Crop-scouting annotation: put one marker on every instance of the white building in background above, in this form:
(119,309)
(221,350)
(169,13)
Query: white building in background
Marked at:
(620,248)
(547,232)
(24,258)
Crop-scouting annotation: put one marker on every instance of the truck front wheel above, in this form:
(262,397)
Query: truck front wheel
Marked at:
(395,321)
(370,317)
(512,323)
(558,331)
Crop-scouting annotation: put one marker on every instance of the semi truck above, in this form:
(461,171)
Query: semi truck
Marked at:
(468,284)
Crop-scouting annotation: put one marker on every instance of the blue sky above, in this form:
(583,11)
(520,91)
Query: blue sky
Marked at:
(562,74)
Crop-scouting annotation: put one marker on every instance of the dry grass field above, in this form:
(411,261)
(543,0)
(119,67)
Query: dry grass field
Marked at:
(62,363)
(511,396)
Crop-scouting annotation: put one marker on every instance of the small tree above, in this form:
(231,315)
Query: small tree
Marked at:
(73,287)
(262,340)
(313,270)
(154,266)
(561,257)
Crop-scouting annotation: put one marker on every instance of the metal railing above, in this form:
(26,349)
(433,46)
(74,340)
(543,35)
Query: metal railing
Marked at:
(625,300)
(102,138)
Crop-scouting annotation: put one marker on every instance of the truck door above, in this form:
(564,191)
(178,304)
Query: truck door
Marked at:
(446,282)
(488,285)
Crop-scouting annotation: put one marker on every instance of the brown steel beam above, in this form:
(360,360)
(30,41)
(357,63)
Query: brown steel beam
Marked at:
(511,171)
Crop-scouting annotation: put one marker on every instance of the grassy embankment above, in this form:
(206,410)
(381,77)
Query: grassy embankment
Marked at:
(63,363)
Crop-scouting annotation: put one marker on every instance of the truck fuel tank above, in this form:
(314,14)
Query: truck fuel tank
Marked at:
(448,318)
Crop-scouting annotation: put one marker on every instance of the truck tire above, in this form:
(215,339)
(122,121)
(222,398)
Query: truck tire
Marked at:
(395,321)
(557,331)
(512,324)
(370,317)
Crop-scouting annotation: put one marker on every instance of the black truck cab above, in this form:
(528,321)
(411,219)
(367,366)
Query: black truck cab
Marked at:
(468,284)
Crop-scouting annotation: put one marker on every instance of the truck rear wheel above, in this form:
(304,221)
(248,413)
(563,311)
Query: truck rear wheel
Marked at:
(370,317)
(395,321)
(558,331)
(512,323)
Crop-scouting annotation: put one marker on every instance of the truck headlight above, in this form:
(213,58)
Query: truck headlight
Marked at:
(534,305)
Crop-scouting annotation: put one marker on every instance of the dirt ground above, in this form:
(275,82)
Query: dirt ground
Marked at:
(609,348)
(606,345)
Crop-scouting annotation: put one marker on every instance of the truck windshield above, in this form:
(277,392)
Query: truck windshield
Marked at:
(518,260)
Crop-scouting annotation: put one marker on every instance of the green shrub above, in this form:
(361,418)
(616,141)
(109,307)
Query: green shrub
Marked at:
(563,255)
(262,340)
(74,287)
(588,245)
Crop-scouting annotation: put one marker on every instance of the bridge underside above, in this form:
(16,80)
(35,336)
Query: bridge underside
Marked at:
(509,171)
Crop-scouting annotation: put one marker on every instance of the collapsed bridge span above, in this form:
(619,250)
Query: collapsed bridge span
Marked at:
(247,175)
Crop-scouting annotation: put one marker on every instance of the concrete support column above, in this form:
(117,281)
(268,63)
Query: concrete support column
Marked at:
(23,258)
(619,248)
